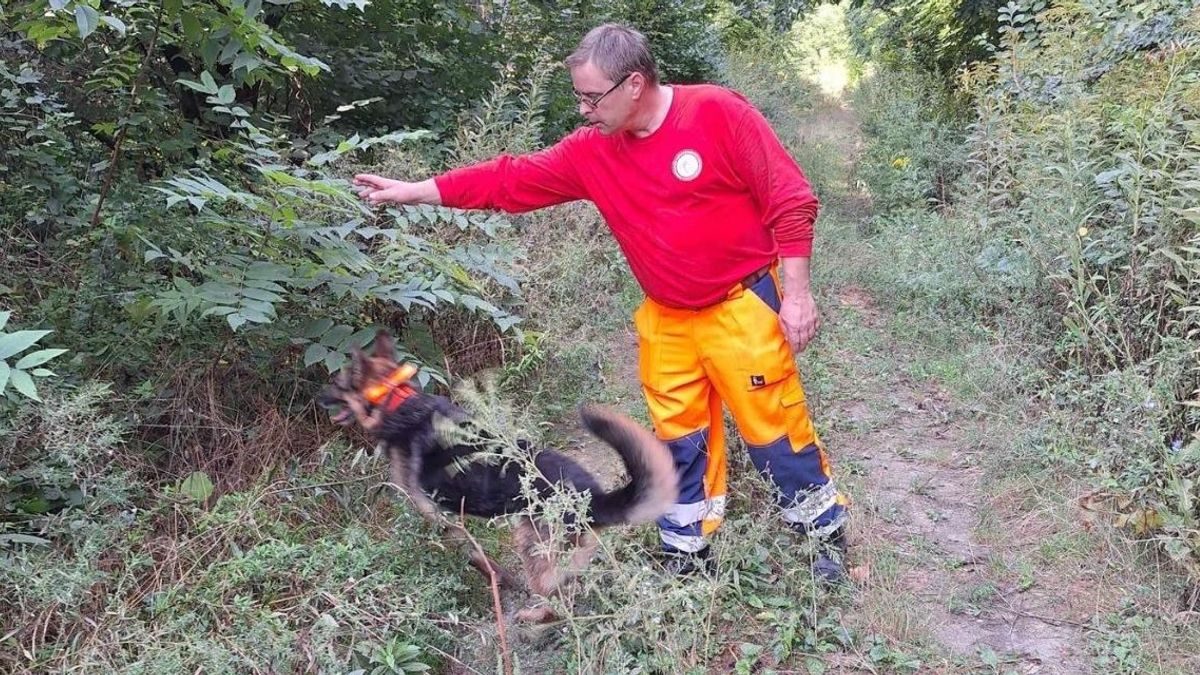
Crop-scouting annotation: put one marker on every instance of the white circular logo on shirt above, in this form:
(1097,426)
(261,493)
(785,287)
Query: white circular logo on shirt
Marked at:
(687,165)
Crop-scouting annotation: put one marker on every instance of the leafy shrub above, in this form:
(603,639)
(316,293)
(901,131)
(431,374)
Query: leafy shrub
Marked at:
(1072,228)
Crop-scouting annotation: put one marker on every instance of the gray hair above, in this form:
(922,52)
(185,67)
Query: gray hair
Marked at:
(617,50)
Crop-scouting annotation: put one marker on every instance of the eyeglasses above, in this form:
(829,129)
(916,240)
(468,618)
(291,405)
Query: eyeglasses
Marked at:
(594,101)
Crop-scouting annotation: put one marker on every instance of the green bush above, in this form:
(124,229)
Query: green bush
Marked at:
(916,152)
(1072,230)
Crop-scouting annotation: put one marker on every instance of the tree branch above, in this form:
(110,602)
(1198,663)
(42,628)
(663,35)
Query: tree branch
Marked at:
(505,656)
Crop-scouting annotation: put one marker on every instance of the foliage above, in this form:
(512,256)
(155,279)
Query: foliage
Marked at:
(301,239)
(1072,231)
(21,373)
(1093,119)
(917,133)
(769,74)
(40,140)
(681,35)
(744,22)
(938,36)
(192,515)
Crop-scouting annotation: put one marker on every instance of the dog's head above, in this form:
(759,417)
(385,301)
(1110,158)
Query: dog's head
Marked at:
(372,379)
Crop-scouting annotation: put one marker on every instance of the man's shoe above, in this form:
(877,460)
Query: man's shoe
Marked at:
(829,565)
(829,568)
(682,564)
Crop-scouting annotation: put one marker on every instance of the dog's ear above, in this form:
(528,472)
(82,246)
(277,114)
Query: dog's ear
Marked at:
(360,366)
(385,346)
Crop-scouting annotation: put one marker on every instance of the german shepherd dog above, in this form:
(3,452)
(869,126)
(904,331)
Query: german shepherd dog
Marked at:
(447,473)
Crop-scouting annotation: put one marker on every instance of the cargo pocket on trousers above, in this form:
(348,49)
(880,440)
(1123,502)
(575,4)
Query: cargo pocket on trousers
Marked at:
(800,430)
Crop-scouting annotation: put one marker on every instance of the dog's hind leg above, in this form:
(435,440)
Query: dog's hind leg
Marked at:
(586,544)
(538,566)
(542,571)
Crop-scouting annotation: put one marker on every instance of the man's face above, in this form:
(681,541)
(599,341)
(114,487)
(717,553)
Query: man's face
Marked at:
(605,104)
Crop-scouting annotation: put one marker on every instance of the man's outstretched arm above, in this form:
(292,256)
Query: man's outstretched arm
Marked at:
(380,190)
(512,183)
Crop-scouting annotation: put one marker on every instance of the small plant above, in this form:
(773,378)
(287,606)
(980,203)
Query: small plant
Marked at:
(394,657)
(21,373)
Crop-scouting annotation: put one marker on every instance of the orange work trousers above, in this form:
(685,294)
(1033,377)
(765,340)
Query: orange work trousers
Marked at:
(732,353)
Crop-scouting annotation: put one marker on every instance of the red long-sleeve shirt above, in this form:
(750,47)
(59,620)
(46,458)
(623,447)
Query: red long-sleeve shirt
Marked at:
(705,200)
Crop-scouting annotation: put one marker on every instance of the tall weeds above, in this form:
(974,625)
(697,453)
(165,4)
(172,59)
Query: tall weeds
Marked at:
(1073,231)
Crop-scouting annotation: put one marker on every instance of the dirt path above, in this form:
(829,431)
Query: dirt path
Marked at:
(934,562)
(926,562)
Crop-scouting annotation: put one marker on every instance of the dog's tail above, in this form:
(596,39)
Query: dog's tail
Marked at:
(653,486)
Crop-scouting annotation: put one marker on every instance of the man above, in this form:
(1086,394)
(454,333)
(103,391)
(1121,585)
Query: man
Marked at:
(702,198)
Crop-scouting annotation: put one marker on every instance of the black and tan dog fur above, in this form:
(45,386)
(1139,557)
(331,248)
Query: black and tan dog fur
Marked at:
(444,474)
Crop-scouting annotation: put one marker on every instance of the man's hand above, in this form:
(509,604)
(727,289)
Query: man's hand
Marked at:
(798,311)
(380,190)
(799,319)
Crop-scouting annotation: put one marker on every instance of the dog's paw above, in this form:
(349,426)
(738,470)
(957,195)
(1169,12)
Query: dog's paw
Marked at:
(539,614)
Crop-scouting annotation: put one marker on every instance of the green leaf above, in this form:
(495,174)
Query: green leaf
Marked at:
(191,27)
(254,314)
(226,95)
(197,485)
(207,78)
(4,371)
(336,338)
(23,383)
(23,539)
(265,285)
(261,295)
(269,272)
(12,343)
(317,328)
(87,19)
(219,310)
(314,353)
(236,320)
(363,337)
(34,505)
(334,361)
(38,358)
(4,318)
(195,86)
(116,24)
(248,61)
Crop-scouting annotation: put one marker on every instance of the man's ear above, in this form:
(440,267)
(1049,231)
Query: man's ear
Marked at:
(385,346)
(637,84)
